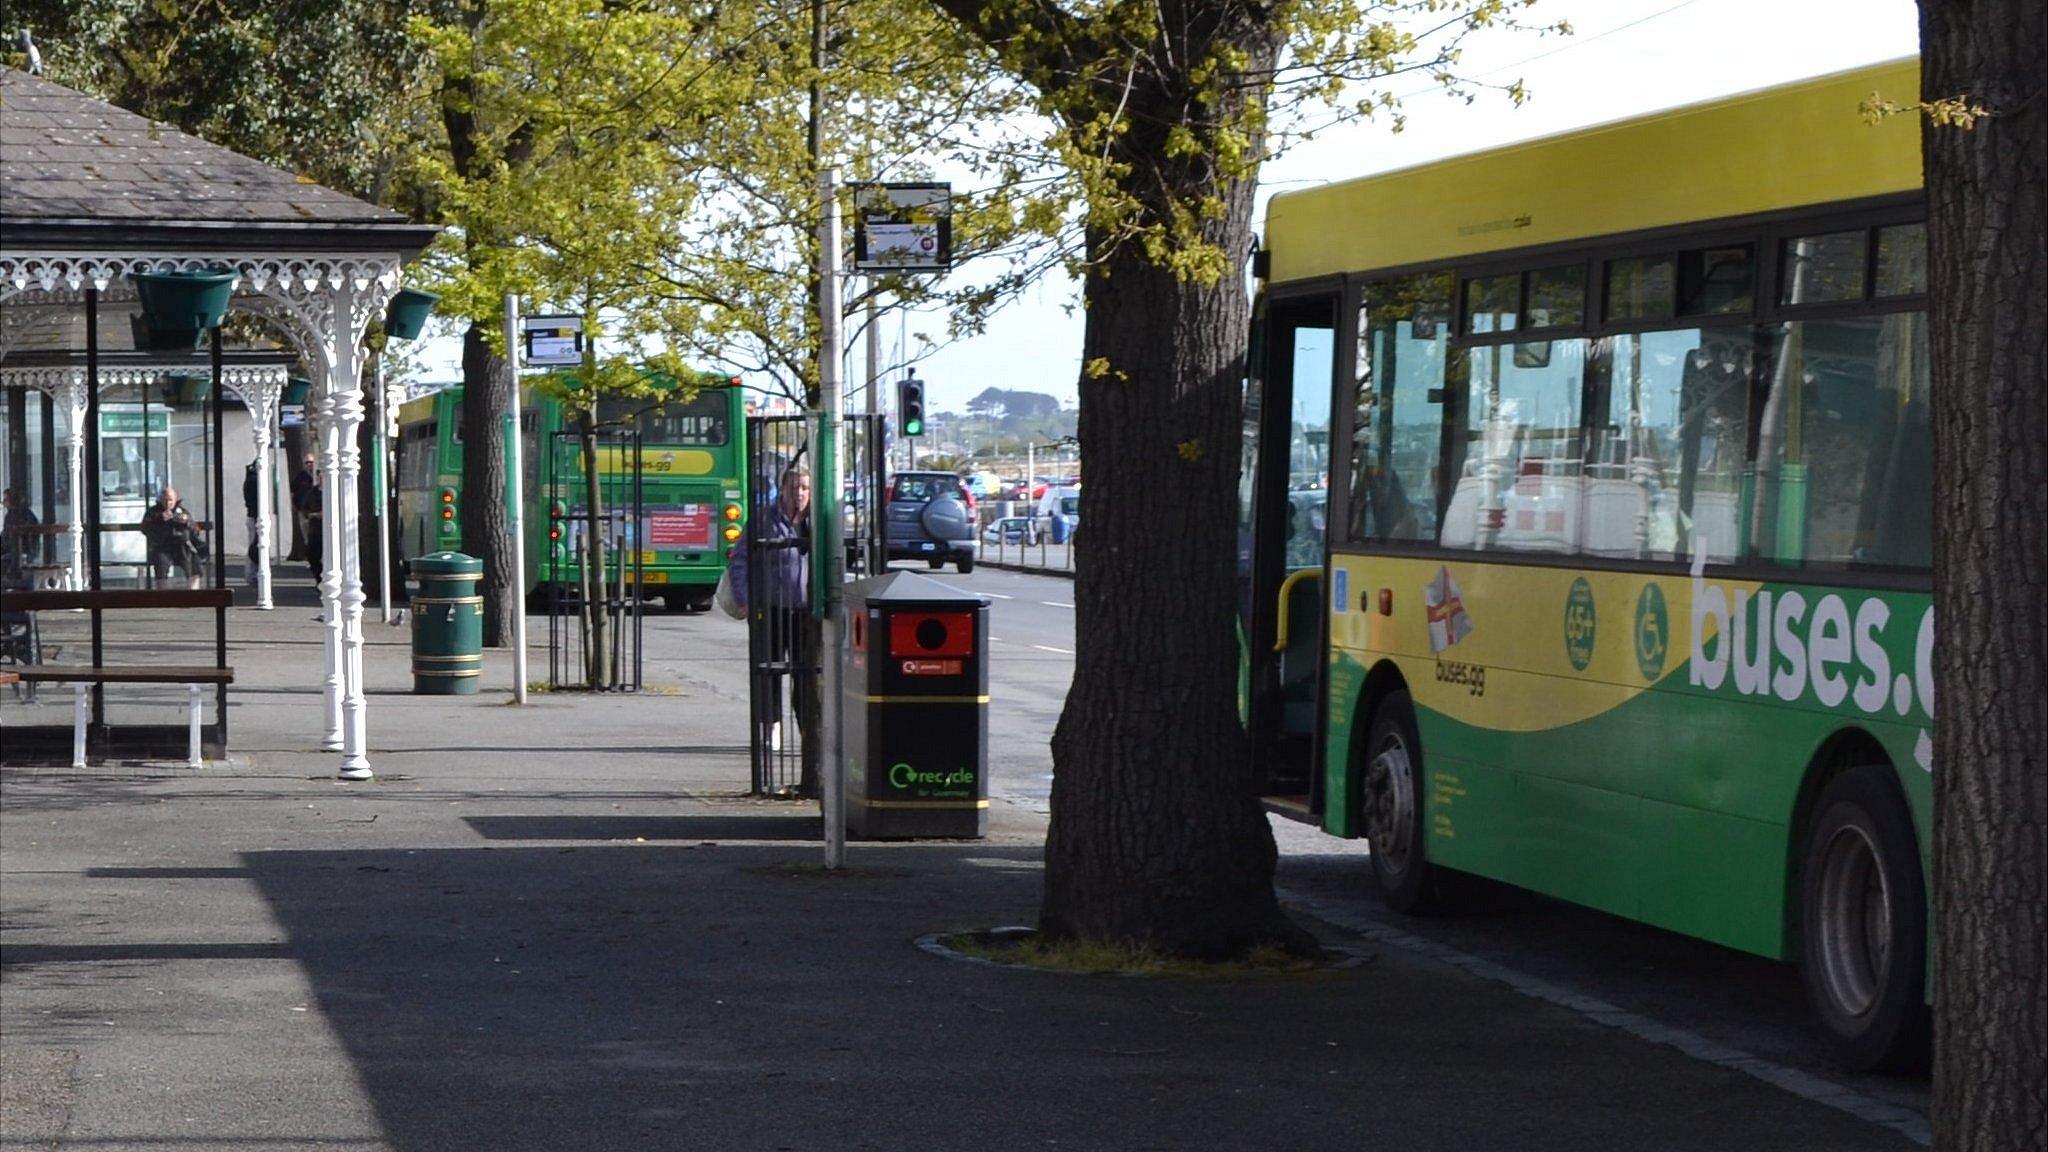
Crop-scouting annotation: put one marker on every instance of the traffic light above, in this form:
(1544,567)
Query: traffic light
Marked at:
(910,405)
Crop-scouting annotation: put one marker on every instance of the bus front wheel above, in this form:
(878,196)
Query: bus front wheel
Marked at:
(1391,805)
(1863,923)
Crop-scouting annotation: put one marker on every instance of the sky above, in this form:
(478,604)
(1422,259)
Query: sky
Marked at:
(1624,58)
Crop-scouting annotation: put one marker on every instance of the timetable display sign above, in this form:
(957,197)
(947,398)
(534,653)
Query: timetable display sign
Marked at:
(902,227)
(552,341)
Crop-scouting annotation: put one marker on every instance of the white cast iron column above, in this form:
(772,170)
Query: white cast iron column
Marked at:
(330,572)
(264,511)
(345,383)
(261,391)
(75,400)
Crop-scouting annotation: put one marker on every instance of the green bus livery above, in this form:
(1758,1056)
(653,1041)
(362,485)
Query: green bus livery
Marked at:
(692,475)
(1620,587)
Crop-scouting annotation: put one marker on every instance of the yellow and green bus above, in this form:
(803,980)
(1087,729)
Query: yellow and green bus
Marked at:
(692,475)
(1586,529)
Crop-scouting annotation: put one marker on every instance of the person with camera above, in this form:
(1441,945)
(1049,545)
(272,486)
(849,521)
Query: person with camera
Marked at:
(173,539)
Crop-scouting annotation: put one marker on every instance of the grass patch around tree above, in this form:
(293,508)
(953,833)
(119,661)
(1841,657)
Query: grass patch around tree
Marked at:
(1021,948)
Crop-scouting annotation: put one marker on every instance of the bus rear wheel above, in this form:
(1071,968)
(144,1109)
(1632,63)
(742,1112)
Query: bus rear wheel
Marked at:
(1863,923)
(1390,805)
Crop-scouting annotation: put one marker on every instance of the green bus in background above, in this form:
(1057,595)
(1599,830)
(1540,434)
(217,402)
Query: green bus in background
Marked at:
(692,473)
(1620,590)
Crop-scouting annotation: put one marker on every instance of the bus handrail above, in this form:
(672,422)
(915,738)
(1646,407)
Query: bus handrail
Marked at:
(1286,586)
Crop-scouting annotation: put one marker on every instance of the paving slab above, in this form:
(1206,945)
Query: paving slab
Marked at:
(564,926)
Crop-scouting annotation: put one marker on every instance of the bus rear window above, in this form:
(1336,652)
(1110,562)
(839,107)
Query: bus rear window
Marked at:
(703,421)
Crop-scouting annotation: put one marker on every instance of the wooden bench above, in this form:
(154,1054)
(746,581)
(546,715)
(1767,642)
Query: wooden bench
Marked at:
(84,676)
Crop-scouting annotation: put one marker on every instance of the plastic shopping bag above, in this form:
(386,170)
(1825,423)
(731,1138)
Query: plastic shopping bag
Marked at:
(724,598)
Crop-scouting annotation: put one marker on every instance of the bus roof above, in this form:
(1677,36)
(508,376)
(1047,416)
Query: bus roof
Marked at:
(1775,148)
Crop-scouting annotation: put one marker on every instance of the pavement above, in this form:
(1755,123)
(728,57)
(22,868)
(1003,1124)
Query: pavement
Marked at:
(565,926)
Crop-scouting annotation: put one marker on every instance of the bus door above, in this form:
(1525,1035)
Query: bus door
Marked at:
(1283,512)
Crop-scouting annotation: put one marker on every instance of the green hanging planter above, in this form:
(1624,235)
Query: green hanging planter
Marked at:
(180,307)
(408,313)
(295,390)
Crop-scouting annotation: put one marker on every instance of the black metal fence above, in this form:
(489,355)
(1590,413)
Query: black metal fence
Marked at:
(582,600)
(783,630)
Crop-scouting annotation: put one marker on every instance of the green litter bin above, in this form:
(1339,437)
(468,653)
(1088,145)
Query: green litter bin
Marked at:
(447,625)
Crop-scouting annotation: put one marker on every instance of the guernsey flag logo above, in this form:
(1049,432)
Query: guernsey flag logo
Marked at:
(1448,622)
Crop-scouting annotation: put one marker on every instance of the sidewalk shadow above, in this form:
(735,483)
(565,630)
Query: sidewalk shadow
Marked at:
(737,996)
(659,828)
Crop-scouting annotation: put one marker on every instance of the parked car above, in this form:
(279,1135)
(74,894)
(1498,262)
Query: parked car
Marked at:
(1059,512)
(930,517)
(1008,530)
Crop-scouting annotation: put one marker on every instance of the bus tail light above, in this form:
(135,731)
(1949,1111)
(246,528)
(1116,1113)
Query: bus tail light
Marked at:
(732,513)
(731,533)
(557,510)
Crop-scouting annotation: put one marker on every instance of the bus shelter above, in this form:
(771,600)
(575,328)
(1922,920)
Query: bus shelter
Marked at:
(91,197)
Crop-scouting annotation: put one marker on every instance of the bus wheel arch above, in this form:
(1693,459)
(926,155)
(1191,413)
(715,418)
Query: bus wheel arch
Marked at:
(1383,678)
(1859,907)
(1389,770)
(1845,749)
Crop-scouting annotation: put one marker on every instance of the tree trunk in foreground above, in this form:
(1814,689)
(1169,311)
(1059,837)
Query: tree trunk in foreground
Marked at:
(1157,835)
(486,524)
(1988,283)
(595,606)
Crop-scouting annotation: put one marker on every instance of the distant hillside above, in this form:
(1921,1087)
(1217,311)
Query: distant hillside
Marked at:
(1004,403)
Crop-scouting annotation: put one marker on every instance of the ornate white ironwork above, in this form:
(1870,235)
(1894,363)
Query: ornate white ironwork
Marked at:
(323,303)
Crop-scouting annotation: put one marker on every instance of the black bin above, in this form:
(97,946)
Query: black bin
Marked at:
(915,709)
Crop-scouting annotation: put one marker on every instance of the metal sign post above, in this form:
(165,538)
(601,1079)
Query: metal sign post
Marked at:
(515,500)
(827,557)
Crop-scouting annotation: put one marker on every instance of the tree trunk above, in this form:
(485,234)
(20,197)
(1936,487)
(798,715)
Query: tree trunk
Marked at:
(1157,835)
(597,656)
(1988,285)
(486,523)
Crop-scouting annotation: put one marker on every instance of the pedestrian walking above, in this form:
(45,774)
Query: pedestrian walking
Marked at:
(17,534)
(252,481)
(306,509)
(776,602)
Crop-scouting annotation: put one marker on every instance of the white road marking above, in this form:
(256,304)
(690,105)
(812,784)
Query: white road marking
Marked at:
(995,595)
(1806,1085)
(1055,604)
(1061,651)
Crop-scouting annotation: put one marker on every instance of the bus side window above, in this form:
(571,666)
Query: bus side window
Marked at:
(1398,411)
(1844,457)
(1666,413)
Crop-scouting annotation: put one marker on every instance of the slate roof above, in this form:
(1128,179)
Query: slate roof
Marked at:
(66,158)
